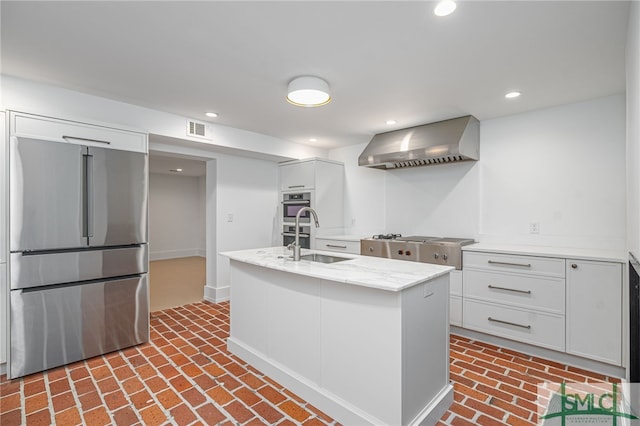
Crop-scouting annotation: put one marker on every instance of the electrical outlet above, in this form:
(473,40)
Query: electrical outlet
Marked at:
(534,227)
(229,217)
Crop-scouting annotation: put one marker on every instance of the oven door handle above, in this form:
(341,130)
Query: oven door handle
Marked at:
(291,234)
(307,202)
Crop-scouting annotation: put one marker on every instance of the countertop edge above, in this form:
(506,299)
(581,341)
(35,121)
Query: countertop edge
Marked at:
(616,256)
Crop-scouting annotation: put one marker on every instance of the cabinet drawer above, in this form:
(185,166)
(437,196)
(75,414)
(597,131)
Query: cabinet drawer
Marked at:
(46,128)
(455,310)
(547,266)
(537,328)
(344,246)
(519,290)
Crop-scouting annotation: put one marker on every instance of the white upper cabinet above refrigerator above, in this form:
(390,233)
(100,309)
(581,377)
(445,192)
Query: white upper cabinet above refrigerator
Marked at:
(51,129)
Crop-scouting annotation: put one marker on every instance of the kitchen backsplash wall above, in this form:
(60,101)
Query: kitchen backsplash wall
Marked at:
(561,167)
(176,216)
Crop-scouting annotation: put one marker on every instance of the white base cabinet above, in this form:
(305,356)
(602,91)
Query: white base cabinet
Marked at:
(338,245)
(363,355)
(455,298)
(568,305)
(594,310)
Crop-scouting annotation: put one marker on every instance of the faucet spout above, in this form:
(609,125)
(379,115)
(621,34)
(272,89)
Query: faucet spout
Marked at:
(296,244)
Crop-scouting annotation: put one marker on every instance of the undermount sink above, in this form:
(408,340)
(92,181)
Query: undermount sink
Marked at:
(322,258)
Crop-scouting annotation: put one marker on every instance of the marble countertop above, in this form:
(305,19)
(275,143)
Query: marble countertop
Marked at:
(567,252)
(366,271)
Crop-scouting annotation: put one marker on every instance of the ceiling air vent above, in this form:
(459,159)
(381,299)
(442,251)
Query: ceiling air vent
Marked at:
(196,128)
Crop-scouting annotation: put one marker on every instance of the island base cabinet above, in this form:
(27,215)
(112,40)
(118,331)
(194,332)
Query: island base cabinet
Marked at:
(594,310)
(363,355)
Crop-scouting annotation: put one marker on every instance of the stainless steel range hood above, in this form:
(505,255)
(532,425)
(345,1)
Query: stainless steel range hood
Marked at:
(446,141)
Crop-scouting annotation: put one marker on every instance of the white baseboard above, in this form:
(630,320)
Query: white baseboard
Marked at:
(216,294)
(176,254)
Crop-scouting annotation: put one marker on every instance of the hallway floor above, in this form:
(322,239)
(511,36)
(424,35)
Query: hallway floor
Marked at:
(185,376)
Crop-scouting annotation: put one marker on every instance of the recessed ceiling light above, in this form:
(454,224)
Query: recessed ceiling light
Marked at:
(175,170)
(308,91)
(390,122)
(445,7)
(313,140)
(512,95)
(211,114)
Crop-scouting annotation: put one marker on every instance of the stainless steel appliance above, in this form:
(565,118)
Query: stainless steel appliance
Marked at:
(289,235)
(436,250)
(78,261)
(293,203)
(446,141)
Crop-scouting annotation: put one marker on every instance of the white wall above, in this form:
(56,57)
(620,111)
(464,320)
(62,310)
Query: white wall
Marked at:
(247,189)
(563,167)
(633,130)
(176,215)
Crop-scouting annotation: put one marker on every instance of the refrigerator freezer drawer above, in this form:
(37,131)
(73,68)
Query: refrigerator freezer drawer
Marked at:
(36,270)
(63,324)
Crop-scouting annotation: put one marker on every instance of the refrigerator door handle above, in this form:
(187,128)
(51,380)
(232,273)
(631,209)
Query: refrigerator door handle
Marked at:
(87,195)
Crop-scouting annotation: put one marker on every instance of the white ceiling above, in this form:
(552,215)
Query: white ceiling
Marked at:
(382,59)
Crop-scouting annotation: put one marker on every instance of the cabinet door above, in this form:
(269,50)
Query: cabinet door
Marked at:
(297,176)
(594,310)
(3,313)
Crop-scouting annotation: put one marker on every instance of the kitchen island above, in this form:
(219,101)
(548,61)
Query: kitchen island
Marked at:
(364,339)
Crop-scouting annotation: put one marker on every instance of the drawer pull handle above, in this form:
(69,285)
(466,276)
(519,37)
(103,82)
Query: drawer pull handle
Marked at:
(528,327)
(85,139)
(515,290)
(296,186)
(493,262)
(335,246)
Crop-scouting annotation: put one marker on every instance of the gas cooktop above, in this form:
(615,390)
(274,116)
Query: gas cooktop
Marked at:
(417,248)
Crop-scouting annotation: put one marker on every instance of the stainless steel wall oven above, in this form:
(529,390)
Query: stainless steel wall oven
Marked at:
(291,205)
(289,235)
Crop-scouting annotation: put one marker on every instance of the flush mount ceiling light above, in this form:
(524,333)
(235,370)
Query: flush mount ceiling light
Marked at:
(445,7)
(308,91)
(211,114)
(390,122)
(313,140)
(512,95)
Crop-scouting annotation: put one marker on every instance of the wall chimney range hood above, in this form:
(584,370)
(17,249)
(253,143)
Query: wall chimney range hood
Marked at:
(447,141)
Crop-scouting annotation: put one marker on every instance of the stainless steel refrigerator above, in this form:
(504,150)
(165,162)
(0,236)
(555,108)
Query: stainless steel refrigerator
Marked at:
(78,243)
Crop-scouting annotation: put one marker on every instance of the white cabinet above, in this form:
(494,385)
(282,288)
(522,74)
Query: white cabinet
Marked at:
(455,298)
(46,128)
(516,297)
(594,310)
(338,245)
(324,181)
(298,175)
(3,313)
(3,240)
(565,304)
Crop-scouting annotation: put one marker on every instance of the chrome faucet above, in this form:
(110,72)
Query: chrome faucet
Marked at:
(295,246)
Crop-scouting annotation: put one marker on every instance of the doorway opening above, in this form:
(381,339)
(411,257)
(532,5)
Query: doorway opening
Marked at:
(177,230)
